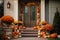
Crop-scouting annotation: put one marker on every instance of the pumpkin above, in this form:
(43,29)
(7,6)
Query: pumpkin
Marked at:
(15,21)
(48,27)
(54,35)
(43,22)
(43,33)
(35,27)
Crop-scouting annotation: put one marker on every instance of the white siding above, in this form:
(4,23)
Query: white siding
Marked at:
(52,9)
(13,11)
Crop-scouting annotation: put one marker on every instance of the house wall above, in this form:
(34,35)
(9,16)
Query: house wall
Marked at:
(53,4)
(13,10)
(47,10)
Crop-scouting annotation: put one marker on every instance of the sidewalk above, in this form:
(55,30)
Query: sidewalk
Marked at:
(30,38)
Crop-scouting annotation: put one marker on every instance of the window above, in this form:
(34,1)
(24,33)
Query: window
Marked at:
(33,12)
(1,8)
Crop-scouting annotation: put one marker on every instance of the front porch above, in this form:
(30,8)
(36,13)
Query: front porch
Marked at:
(31,13)
(17,11)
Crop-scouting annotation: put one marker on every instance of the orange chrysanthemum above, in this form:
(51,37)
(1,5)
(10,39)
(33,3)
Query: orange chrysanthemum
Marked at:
(7,19)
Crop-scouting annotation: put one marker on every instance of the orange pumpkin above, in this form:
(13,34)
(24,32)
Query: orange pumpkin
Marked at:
(15,21)
(16,33)
(35,27)
(54,35)
(7,19)
(6,36)
(48,27)
(43,22)
(42,28)
(43,33)
(13,33)
(15,28)
(23,27)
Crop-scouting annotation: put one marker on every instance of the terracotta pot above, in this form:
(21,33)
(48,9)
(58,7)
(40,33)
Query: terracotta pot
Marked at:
(7,19)
(23,27)
(16,36)
(43,33)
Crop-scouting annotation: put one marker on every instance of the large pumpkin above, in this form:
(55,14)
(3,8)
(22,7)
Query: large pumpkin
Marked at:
(44,35)
(16,33)
(42,27)
(54,35)
(16,27)
(23,27)
(48,27)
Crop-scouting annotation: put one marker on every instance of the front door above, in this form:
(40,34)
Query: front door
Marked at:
(30,15)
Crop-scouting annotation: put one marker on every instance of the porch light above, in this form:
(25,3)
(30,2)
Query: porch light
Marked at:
(8,5)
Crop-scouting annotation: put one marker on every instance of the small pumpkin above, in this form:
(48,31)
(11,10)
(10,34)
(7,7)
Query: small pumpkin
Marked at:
(16,33)
(43,33)
(54,35)
(35,27)
(44,22)
(15,28)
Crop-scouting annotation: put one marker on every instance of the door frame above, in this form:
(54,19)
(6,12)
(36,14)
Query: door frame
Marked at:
(37,4)
(30,5)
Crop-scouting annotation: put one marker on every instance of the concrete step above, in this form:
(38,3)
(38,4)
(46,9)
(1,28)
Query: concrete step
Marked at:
(29,32)
(29,35)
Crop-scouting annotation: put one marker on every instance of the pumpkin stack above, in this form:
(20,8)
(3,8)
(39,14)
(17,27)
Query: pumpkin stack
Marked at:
(45,29)
(16,32)
(6,22)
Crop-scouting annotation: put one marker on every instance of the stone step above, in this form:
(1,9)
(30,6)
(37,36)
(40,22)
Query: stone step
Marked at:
(29,32)
(29,35)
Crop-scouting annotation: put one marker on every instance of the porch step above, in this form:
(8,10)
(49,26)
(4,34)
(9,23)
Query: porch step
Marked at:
(29,32)
(29,35)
